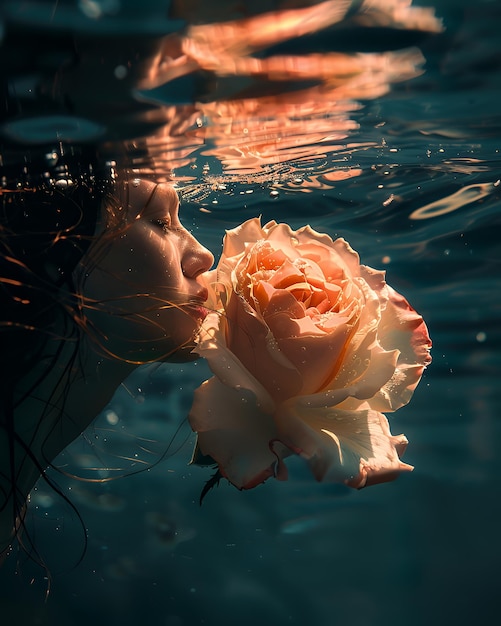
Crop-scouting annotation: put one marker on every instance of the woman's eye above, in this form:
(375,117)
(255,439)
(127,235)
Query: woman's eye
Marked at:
(164,224)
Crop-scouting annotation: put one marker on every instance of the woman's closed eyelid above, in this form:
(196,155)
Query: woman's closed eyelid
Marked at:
(167,225)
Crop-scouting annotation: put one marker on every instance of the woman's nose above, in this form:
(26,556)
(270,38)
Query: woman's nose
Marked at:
(196,259)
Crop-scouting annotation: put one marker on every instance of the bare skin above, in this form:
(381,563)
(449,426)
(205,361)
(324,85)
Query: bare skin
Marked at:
(143,303)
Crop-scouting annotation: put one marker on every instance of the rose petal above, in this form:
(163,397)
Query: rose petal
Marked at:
(404,329)
(224,363)
(282,236)
(282,302)
(339,252)
(356,448)
(286,276)
(251,342)
(235,432)
(362,389)
(236,239)
(316,357)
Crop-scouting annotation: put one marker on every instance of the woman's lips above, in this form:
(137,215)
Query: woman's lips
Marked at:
(198,311)
(196,303)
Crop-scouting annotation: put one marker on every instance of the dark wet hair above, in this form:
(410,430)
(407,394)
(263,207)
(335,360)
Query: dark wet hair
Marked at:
(48,219)
(46,226)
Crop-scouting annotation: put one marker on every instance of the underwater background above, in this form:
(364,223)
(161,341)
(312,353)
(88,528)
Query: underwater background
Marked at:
(406,166)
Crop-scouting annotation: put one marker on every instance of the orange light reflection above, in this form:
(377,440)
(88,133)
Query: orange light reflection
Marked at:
(249,123)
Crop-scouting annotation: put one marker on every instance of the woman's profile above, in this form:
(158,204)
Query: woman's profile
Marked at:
(94,280)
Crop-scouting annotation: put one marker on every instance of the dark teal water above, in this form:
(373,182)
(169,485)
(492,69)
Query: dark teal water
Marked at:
(425,549)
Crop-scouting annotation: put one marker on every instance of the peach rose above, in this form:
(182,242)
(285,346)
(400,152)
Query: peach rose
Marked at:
(308,347)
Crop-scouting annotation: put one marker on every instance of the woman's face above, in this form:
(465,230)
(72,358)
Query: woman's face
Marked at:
(142,299)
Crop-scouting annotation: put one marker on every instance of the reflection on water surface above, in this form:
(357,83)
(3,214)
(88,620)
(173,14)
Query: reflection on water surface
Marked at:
(259,93)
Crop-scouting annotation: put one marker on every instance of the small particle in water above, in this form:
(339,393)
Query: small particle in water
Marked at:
(297,181)
(112,418)
(120,72)
(386,259)
(274,194)
(481,336)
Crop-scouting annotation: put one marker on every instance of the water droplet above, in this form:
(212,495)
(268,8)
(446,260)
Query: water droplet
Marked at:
(63,183)
(51,158)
